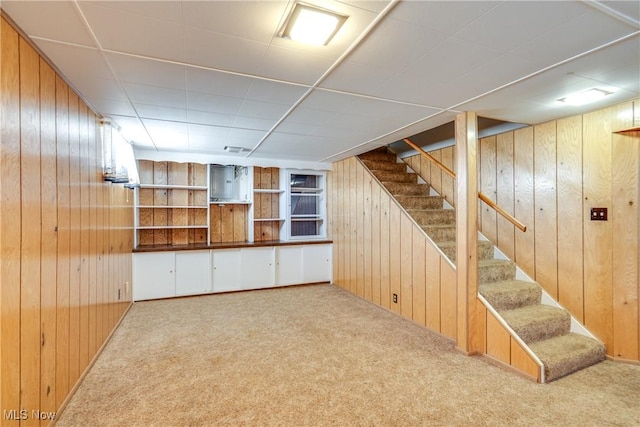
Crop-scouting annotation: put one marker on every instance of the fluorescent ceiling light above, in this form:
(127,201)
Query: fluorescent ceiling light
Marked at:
(232,149)
(312,25)
(585,97)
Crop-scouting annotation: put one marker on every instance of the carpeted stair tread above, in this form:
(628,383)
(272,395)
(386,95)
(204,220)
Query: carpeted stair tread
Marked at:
(401,188)
(439,232)
(393,176)
(433,216)
(485,249)
(420,202)
(538,322)
(377,165)
(495,270)
(381,156)
(511,294)
(568,353)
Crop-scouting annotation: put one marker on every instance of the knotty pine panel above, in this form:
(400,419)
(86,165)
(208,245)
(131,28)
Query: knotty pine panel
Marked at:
(570,249)
(488,186)
(63,274)
(49,236)
(523,188)
(355,219)
(395,255)
(385,248)
(50,186)
(360,231)
(376,260)
(405,297)
(597,234)
(544,160)
(504,196)
(433,295)
(626,232)
(366,230)
(10,217)
(30,312)
(419,277)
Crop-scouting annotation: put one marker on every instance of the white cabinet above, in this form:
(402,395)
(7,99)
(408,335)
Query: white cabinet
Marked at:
(289,265)
(193,272)
(226,265)
(316,263)
(257,267)
(154,275)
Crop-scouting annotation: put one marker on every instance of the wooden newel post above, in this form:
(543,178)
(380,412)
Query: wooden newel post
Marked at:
(470,325)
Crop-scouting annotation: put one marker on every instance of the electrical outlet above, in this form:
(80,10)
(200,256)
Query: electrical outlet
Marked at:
(118,294)
(598,214)
(395,298)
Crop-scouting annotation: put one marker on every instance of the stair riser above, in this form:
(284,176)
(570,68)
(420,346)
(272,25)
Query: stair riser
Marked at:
(375,165)
(390,176)
(435,216)
(496,273)
(426,202)
(440,234)
(513,300)
(485,251)
(542,330)
(398,188)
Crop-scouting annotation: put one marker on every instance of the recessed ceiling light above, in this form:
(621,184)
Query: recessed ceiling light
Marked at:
(585,97)
(312,25)
(235,150)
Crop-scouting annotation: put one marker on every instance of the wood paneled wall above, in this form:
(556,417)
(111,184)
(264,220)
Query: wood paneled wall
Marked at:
(266,206)
(65,237)
(550,176)
(379,251)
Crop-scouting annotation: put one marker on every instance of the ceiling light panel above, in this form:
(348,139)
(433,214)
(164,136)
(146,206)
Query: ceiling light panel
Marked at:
(312,25)
(585,97)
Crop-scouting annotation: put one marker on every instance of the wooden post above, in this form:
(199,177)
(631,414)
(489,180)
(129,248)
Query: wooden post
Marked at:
(470,324)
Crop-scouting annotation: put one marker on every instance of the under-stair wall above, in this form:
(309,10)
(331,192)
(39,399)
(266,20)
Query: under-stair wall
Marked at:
(379,251)
(550,176)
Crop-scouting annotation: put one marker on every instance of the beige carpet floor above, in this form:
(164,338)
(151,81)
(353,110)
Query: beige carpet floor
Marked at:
(319,356)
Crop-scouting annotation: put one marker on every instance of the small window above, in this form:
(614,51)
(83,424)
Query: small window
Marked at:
(306,205)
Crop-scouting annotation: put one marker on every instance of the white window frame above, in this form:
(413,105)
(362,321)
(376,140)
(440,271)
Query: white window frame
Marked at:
(322,203)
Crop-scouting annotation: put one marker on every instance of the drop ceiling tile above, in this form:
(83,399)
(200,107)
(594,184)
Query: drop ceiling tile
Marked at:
(309,116)
(217,83)
(213,103)
(170,11)
(294,147)
(358,78)
(213,132)
(253,123)
(511,24)
(248,134)
(444,16)
(133,33)
(582,34)
(154,95)
(96,87)
(207,118)
(630,9)
(159,112)
(46,22)
(147,71)
(208,144)
(293,65)
(220,51)
(168,135)
(275,92)
(132,130)
(262,110)
(75,61)
(252,20)
(108,107)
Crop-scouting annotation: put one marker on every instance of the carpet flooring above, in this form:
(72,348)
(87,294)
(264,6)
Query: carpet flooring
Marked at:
(319,356)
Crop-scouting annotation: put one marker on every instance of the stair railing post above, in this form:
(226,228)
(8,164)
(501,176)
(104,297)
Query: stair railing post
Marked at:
(470,324)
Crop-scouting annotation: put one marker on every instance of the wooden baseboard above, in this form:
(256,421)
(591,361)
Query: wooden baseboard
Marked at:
(506,366)
(621,360)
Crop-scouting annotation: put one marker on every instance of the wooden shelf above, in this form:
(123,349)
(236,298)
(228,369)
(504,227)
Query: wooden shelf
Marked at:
(174,187)
(266,190)
(170,207)
(268,219)
(170,227)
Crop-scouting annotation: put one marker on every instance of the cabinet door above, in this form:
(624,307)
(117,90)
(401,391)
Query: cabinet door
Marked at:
(193,269)
(316,263)
(257,267)
(154,275)
(289,265)
(225,270)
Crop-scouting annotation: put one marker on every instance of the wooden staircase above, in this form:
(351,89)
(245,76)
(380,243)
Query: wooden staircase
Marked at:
(545,329)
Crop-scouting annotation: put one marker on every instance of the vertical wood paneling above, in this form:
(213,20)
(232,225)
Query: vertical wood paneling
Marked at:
(523,191)
(30,314)
(488,185)
(64,229)
(498,340)
(432,292)
(436,173)
(10,217)
(545,206)
(448,307)
(356,217)
(521,361)
(360,229)
(375,243)
(406,271)
(570,250)
(51,207)
(626,229)
(395,257)
(419,288)
(367,220)
(597,234)
(49,244)
(504,197)
(448,183)
(385,249)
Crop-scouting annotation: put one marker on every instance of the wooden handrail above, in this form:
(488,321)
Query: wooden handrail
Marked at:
(481,195)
